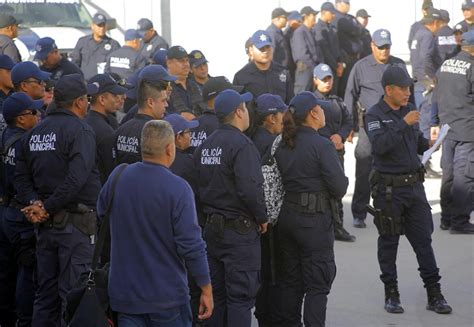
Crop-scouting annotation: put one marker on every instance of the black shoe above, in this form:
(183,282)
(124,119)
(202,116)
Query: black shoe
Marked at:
(341,234)
(359,223)
(431,173)
(436,301)
(392,299)
(445,225)
(466,229)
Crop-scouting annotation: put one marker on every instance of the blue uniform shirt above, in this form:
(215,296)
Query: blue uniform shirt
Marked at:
(312,166)
(9,161)
(64,67)
(446,42)
(183,166)
(127,140)
(155,44)
(230,176)
(125,61)
(263,140)
(465,26)
(305,49)
(57,163)
(413,29)
(338,118)
(281,47)
(424,55)
(349,32)
(326,38)
(208,123)
(395,145)
(275,80)
(91,56)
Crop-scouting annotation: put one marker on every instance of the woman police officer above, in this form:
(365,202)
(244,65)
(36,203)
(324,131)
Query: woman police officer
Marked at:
(312,177)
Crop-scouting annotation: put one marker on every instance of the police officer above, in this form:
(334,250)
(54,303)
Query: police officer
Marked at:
(312,178)
(294,21)
(280,45)
(152,102)
(416,25)
(159,58)
(262,74)
(8,32)
(455,109)
(128,59)
(152,41)
(51,61)
(400,201)
(28,78)
(56,174)
(100,117)
(91,51)
(326,37)
(337,128)
(6,84)
(21,114)
(363,18)
(349,32)
(468,13)
(186,97)
(208,121)
(445,39)
(199,68)
(231,195)
(306,52)
(362,92)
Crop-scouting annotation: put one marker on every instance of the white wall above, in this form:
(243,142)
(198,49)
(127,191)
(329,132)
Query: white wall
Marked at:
(220,27)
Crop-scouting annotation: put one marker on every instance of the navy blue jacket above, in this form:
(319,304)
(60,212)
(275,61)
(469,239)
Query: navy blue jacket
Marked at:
(3,97)
(349,32)
(8,47)
(57,163)
(305,49)
(208,123)
(281,47)
(9,161)
(230,175)
(186,100)
(183,166)
(104,130)
(312,166)
(338,118)
(275,80)
(64,67)
(413,29)
(125,61)
(130,114)
(424,55)
(446,43)
(366,39)
(465,25)
(155,240)
(127,140)
(395,145)
(454,96)
(155,44)
(263,140)
(326,38)
(88,54)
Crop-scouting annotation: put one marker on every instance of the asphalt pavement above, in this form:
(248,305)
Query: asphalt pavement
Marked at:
(357,295)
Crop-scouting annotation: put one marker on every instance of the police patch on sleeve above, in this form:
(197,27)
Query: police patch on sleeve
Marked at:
(373,125)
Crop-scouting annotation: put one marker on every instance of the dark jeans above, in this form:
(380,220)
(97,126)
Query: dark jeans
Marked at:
(175,317)
(7,278)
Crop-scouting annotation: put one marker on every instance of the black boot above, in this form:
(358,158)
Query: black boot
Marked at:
(392,299)
(436,301)
(340,234)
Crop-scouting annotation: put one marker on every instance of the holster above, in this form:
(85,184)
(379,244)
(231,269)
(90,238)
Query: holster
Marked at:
(241,225)
(360,116)
(84,219)
(307,203)
(386,225)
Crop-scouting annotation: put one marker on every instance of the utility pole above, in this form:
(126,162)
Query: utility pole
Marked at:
(166,20)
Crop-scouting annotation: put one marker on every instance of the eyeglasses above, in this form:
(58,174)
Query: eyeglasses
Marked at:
(43,83)
(384,47)
(33,112)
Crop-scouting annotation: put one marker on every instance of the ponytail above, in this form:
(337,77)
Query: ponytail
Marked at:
(290,124)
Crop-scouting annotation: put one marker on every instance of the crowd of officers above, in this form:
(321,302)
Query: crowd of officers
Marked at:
(68,123)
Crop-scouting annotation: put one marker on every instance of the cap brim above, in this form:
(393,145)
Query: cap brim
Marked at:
(43,76)
(132,93)
(141,33)
(199,62)
(383,42)
(40,56)
(169,78)
(37,104)
(262,44)
(117,89)
(246,97)
(323,76)
(324,103)
(192,123)
(92,89)
(7,67)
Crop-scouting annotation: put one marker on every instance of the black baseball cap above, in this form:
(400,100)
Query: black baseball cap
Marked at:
(277,12)
(432,14)
(217,84)
(73,86)
(105,83)
(99,19)
(308,11)
(362,13)
(396,75)
(176,52)
(8,20)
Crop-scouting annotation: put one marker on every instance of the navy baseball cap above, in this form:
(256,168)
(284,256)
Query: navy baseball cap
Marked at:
(270,104)
(17,102)
(159,57)
(228,100)
(155,73)
(432,14)
(179,123)
(468,38)
(132,34)
(217,84)
(73,86)
(261,39)
(396,75)
(144,25)
(197,58)
(362,13)
(322,71)
(278,12)
(43,47)
(6,62)
(427,4)
(24,70)
(328,6)
(467,4)
(381,37)
(99,19)
(303,102)
(444,15)
(308,11)
(105,83)
(8,20)
(295,15)
(176,52)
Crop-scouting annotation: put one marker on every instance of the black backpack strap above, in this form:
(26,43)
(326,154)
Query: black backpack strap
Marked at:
(104,227)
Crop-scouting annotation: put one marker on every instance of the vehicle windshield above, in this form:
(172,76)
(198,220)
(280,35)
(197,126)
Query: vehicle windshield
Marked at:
(48,13)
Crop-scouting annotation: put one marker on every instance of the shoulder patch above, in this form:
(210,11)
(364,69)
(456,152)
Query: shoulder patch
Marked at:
(373,125)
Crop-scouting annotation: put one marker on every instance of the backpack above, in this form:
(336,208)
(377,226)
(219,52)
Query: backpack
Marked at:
(273,184)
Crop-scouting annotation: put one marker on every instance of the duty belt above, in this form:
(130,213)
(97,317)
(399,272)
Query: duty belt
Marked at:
(241,225)
(308,202)
(398,180)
